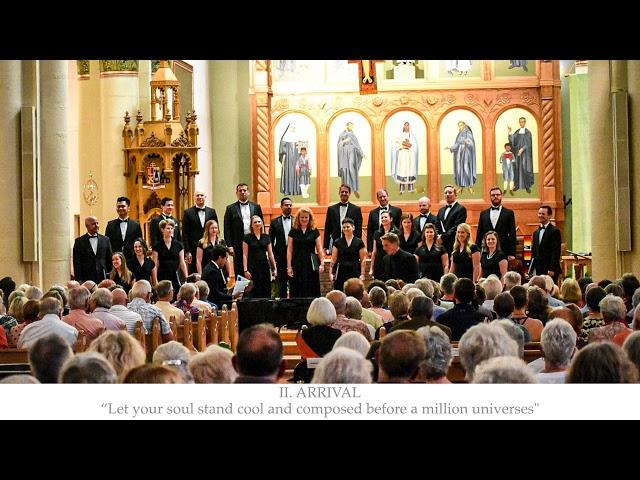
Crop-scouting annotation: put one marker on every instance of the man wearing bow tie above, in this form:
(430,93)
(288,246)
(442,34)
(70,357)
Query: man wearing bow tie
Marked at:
(546,247)
(449,217)
(336,213)
(167,214)
(500,219)
(123,231)
(237,224)
(424,205)
(193,223)
(279,233)
(91,254)
(374,216)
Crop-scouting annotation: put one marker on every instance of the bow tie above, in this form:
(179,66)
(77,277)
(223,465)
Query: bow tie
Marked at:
(124,221)
(243,204)
(449,206)
(384,209)
(286,218)
(495,208)
(424,215)
(93,236)
(543,227)
(200,209)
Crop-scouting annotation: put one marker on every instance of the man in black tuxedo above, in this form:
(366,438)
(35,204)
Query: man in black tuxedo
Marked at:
(424,205)
(279,233)
(500,219)
(214,274)
(546,247)
(398,264)
(193,222)
(374,216)
(91,254)
(123,231)
(336,213)
(449,217)
(237,223)
(167,212)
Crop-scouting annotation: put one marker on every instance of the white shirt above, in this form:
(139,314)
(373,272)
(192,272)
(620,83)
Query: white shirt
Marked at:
(542,230)
(343,211)
(382,210)
(123,227)
(494,214)
(246,217)
(94,244)
(447,210)
(201,216)
(286,226)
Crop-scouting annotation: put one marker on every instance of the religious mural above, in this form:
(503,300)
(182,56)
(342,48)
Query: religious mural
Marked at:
(515,68)
(405,138)
(294,143)
(461,153)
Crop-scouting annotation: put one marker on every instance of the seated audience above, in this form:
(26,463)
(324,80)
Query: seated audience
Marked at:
(47,355)
(213,366)
(435,365)
(343,365)
(400,356)
(503,370)
(258,357)
(602,362)
(482,342)
(87,367)
(120,349)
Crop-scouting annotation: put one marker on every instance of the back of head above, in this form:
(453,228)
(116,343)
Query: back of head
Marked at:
(187,292)
(88,367)
(504,370)
(174,355)
(538,281)
(119,297)
(602,362)
(484,341)
(398,305)
(438,354)
(377,296)
(343,365)
(321,312)
(514,331)
(377,283)
(629,283)
(151,373)
(612,308)
(492,287)
(519,295)
(19,379)
(78,298)
(50,306)
(632,348)
(338,299)
(353,309)
(414,292)
(614,289)
(213,366)
(33,293)
(593,297)
(259,351)
(421,307)
(102,297)
(512,279)
(400,354)
(354,287)
(447,282)
(354,341)
(558,342)
(570,291)
(463,290)
(504,305)
(141,289)
(46,357)
(425,285)
(121,349)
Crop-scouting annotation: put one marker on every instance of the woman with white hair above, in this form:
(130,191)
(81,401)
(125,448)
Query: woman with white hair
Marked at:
(320,337)
(343,365)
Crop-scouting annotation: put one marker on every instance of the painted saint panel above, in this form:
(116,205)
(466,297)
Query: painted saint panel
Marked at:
(517,165)
(350,155)
(515,68)
(460,69)
(294,142)
(405,146)
(461,161)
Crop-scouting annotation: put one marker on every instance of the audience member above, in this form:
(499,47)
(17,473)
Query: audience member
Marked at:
(343,365)
(46,357)
(213,366)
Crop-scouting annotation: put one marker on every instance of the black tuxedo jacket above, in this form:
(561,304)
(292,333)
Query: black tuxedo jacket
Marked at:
(233,226)
(279,242)
(332,226)
(90,266)
(546,255)
(403,265)
(373,225)
(505,228)
(218,293)
(114,233)
(431,218)
(156,234)
(447,228)
(192,230)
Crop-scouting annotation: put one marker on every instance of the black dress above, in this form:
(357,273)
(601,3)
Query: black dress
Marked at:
(464,263)
(141,272)
(411,243)
(491,265)
(168,262)
(258,264)
(120,281)
(348,262)
(430,261)
(207,254)
(305,282)
(378,269)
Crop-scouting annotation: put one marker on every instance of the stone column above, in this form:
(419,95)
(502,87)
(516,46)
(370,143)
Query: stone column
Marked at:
(201,104)
(10,180)
(632,259)
(53,181)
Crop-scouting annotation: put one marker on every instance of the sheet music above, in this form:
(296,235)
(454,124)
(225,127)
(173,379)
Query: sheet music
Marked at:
(240,285)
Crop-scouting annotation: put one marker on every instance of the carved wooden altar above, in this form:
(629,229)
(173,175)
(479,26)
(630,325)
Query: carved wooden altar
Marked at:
(160,156)
(487,97)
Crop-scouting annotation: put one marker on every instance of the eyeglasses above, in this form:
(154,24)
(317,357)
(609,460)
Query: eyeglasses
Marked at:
(175,362)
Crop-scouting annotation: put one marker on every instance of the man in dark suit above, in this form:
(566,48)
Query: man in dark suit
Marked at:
(424,205)
(167,212)
(449,217)
(214,274)
(279,233)
(500,219)
(123,231)
(398,264)
(374,216)
(338,212)
(91,254)
(193,222)
(237,223)
(546,246)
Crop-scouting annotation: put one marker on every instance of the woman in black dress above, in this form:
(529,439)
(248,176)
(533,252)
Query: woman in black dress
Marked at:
(301,267)
(386,226)
(120,273)
(141,266)
(465,259)
(210,238)
(493,260)
(348,255)
(168,255)
(255,248)
(433,260)
(409,238)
